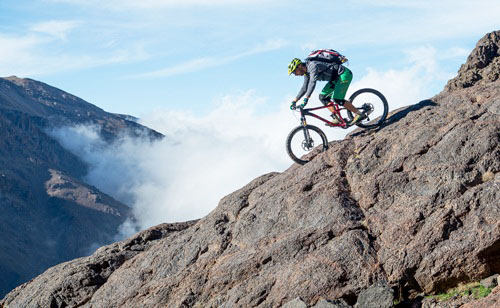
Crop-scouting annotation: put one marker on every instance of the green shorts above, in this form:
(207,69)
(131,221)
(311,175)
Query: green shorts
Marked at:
(336,90)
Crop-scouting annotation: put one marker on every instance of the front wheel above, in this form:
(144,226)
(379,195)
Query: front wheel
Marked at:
(302,140)
(372,103)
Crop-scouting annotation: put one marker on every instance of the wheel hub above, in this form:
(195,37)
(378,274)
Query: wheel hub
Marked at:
(307,146)
(368,108)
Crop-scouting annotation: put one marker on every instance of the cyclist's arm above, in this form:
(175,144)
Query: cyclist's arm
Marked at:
(312,71)
(303,90)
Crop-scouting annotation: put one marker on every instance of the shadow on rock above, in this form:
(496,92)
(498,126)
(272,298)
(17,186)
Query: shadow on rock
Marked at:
(397,116)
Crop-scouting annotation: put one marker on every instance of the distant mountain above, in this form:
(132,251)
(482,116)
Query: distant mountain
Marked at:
(48,214)
(393,214)
(59,108)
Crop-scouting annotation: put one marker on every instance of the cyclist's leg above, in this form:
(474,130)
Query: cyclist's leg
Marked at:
(340,90)
(326,94)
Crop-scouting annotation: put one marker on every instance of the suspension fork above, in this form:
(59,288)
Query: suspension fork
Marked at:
(303,122)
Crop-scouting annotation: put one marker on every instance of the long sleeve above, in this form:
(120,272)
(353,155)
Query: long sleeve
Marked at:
(304,87)
(312,72)
(310,79)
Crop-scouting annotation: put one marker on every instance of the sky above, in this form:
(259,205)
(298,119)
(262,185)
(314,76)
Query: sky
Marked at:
(212,77)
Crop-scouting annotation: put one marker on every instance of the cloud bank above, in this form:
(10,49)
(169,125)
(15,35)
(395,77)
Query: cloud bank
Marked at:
(201,159)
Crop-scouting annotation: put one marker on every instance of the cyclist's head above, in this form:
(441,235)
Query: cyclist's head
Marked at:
(293,65)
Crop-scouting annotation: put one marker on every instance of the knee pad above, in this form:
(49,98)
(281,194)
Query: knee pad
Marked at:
(340,101)
(324,99)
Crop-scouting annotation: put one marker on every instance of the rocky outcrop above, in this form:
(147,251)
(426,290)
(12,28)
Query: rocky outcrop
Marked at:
(412,205)
(430,192)
(70,189)
(482,66)
(73,283)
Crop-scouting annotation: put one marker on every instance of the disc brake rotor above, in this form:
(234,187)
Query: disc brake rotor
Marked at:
(307,146)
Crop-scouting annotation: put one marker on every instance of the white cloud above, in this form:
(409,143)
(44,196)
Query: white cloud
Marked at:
(56,28)
(410,84)
(159,4)
(182,68)
(455,52)
(399,23)
(16,48)
(208,62)
(28,55)
(154,4)
(400,87)
(171,32)
(202,158)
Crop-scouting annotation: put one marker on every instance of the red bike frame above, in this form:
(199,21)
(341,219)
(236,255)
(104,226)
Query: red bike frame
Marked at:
(307,112)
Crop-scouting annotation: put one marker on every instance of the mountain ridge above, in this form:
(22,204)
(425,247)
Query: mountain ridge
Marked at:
(60,108)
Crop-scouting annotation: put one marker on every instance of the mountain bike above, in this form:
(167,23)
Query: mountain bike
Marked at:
(304,138)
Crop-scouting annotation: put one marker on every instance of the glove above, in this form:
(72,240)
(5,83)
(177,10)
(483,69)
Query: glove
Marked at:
(304,103)
(293,106)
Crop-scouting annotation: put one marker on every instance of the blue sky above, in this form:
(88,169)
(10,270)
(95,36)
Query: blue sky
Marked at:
(212,76)
(134,57)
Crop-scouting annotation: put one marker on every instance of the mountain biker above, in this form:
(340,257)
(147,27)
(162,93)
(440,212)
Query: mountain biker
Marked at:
(338,76)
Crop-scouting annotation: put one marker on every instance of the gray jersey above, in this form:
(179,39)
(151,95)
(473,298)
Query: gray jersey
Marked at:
(317,70)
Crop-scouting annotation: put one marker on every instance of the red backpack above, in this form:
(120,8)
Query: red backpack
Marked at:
(327,55)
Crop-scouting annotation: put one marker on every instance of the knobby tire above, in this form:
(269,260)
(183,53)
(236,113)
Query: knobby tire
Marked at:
(300,129)
(356,104)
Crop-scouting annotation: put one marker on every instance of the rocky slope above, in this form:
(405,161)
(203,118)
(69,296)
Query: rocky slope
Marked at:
(413,206)
(48,214)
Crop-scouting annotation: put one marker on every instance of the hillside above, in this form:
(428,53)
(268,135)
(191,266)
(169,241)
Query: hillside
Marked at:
(59,108)
(48,213)
(412,205)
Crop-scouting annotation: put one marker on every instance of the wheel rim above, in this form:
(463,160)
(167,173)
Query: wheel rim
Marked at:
(299,146)
(373,104)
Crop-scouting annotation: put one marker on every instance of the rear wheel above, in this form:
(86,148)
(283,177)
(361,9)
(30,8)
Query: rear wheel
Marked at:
(302,140)
(372,103)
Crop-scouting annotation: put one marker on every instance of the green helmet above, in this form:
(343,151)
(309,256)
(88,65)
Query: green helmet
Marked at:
(293,65)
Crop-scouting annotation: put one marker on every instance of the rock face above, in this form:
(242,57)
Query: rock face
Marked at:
(413,205)
(482,66)
(82,277)
(48,214)
(376,296)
